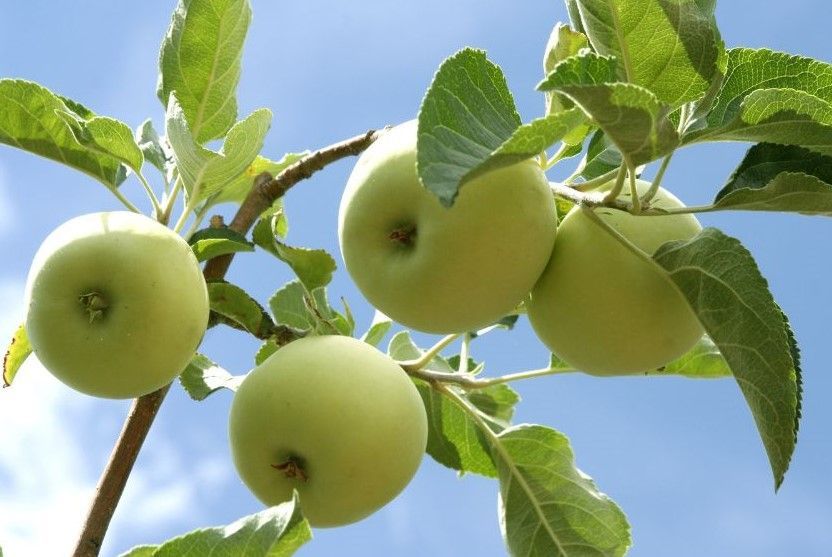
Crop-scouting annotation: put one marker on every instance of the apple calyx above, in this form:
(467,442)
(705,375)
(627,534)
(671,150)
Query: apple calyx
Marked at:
(405,235)
(94,304)
(292,468)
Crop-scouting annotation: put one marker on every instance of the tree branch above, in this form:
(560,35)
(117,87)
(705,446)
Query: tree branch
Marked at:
(144,409)
(267,190)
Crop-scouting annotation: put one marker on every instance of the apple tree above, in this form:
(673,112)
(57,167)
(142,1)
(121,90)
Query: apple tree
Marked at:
(450,224)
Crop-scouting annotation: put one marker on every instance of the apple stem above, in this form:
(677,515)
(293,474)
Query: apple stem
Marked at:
(405,235)
(94,304)
(292,468)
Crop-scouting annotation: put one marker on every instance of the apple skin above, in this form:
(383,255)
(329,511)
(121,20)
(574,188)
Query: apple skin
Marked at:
(156,296)
(343,410)
(604,309)
(464,267)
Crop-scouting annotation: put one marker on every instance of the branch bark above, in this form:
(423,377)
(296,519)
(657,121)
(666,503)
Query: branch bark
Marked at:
(264,193)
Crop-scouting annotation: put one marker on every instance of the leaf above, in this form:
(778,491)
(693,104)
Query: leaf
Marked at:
(235,305)
(314,267)
(771,96)
(106,136)
(266,349)
(583,68)
(780,178)
(289,308)
(202,377)
(205,172)
(703,361)
(237,190)
(19,349)
(378,329)
(278,531)
(29,120)
(454,439)
(531,139)
(152,147)
(213,242)
(671,47)
(497,401)
(467,113)
(725,289)
(602,156)
(563,43)
(547,505)
(782,116)
(200,61)
(749,70)
(630,116)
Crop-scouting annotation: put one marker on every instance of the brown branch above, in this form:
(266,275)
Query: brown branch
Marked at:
(267,190)
(264,193)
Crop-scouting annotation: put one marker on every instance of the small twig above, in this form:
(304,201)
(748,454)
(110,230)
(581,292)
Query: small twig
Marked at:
(469,382)
(422,361)
(142,413)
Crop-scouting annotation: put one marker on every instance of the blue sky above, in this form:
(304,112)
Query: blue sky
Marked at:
(681,457)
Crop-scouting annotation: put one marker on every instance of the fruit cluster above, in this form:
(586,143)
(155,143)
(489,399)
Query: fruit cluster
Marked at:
(117,305)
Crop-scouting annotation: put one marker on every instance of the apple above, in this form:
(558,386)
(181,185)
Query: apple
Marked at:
(438,269)
(334,419)
(605,309)
(116,304)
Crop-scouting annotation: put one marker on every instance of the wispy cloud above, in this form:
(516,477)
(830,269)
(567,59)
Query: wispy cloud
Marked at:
(51,452)
(43,475)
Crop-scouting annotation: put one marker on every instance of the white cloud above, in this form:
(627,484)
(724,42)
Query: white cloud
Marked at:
(53,443)
(43,476)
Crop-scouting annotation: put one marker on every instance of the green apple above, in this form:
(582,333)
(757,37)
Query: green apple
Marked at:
(438,269)
(608,310)
(116,304)
(334,419)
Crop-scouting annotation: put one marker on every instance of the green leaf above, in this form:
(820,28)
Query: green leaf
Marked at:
(750,70)
(378,329)
(780,178)
(531,139)
(783,116)
(153,148)
(236,306)
(275,532)
(327,321)
(563,43)
(547,505)
(106,136)
(467,113)
(454,440)
(725,289)
(205,172)
(314,267)
(583,68)
(703,361)
(213,242)
(772,97)
(266,349)
(671,47)
(200,61)
(141,551)
(602,156)
(30,120)
(555,362)
(630,116)
(19,349)
(237,190)
(289,307)
(202,377)
(497,401)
